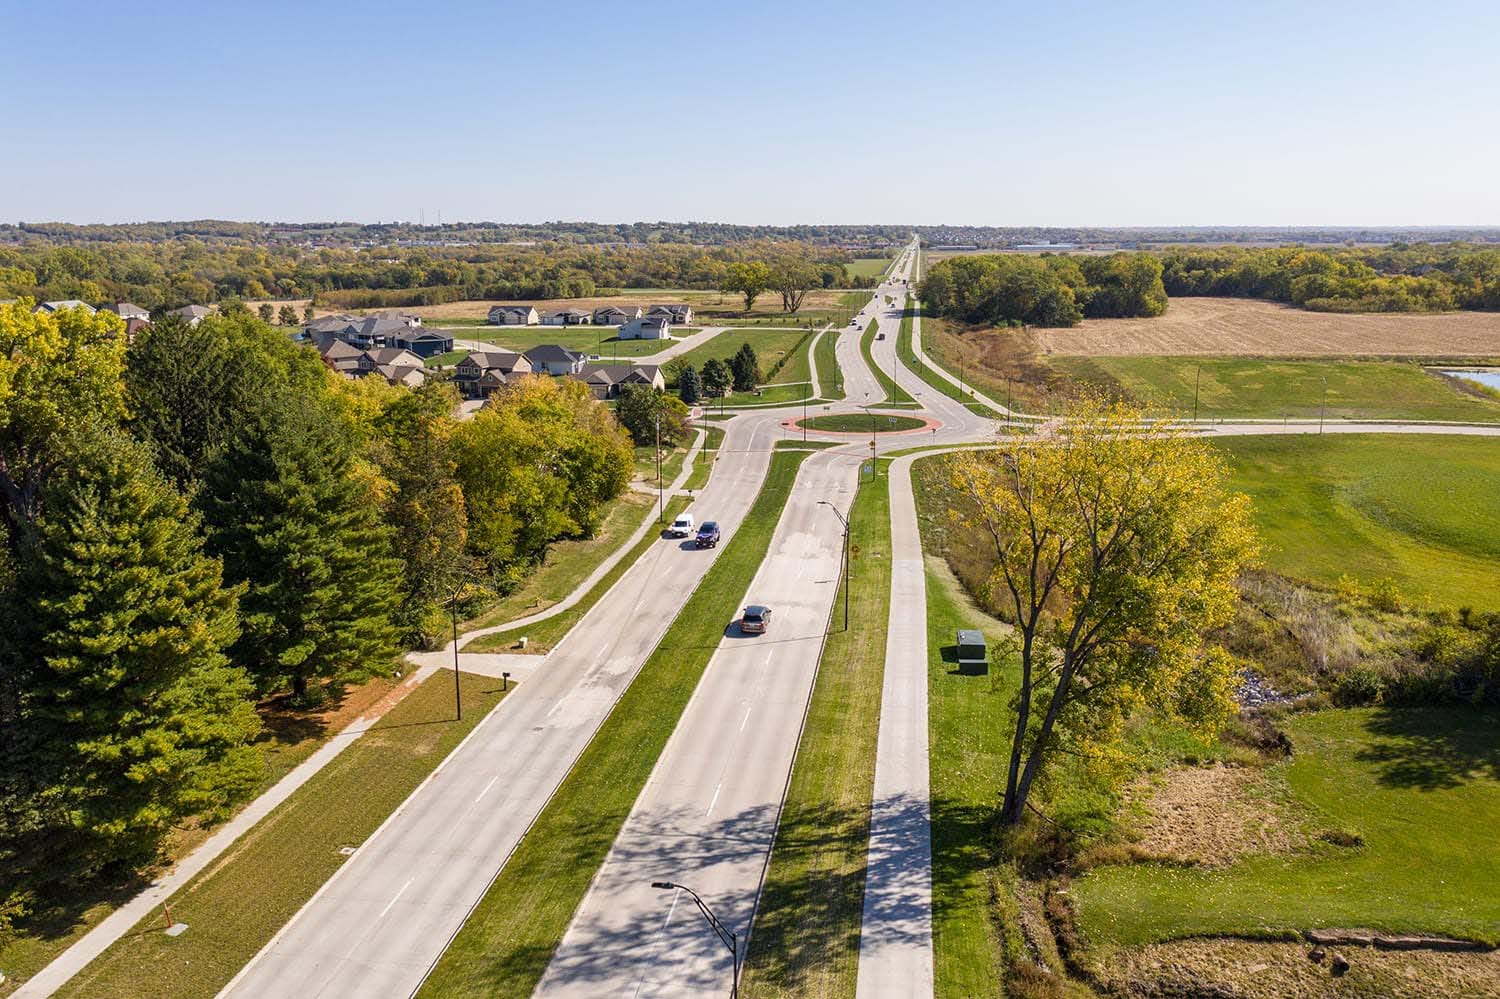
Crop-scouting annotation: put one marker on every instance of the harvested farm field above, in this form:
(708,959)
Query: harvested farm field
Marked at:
(1246,327)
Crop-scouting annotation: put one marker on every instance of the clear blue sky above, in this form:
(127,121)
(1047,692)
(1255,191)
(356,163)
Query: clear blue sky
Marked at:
(1105,113)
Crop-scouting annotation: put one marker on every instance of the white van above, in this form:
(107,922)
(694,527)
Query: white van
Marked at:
(682,527)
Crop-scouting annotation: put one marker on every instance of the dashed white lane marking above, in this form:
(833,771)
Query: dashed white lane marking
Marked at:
(486,788)
(745,720)
(717,788)
(393,899)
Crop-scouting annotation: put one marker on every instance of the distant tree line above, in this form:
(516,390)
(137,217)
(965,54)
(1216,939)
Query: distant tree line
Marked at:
(1059,290)
(1046,290)
(169,274)
(210,518)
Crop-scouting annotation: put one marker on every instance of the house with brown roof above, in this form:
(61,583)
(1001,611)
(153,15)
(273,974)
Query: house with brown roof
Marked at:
(482,373)
(606,380)
(568,317)
(616,315)
(677,315)
(512,315)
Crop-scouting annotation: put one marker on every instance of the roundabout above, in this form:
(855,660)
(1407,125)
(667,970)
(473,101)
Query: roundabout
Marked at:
(863,424)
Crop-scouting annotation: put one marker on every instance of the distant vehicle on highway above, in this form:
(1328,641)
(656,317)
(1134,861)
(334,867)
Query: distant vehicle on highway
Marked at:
(880,336)
(755,620)
(708,535)
(682,527)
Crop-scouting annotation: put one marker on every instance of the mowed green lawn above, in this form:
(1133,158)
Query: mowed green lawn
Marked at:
(769,346)
(1421,786)
(1251,387)
(1420,509)
(869,267)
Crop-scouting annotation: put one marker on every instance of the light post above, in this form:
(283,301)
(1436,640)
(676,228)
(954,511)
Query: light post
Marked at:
(1323,409)
(661,497)
(458,703)
(845,521)
(1197,378)
(726,936)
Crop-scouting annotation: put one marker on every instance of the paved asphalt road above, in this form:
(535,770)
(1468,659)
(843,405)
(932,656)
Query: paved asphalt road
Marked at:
(376,927)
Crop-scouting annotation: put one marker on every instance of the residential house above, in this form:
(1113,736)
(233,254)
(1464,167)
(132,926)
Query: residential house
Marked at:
(373,331)
(402,375)
(616,315)
(192,314)
(387,357)
(405,318)
(65,303)
(341,356)
(647,328)
(568,317)
(606,380)
(133,327)
(551,359)
(482,372)
(678,315)
(513,315)
(326,325)
(425,343)
(127,311)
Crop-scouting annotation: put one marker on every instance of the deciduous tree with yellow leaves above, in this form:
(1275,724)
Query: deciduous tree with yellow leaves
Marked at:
(1116,548)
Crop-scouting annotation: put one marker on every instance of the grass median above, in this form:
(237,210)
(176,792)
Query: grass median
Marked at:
(239,903)
(805,940)
(825,357)
(937,381)
(543,636)
(894,394)
(510,936)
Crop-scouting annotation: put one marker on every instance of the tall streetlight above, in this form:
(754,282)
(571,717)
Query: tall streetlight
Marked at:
(661,496)
(458,702)
(1323,409)
(845,521)
(1197,378)
(726,936)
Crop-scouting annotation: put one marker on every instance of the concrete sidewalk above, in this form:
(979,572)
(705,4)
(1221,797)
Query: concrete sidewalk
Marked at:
(95,942)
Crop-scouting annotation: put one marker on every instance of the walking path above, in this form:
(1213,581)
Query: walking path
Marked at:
(93,943)
(895,942)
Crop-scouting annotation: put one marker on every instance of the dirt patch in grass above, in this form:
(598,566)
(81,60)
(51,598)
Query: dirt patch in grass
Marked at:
(1242,969)
(1212,816)
(1252,328)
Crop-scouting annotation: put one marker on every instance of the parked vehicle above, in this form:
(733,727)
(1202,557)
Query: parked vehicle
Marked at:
(708,535)
(682,527)
(755,620)
(880,336)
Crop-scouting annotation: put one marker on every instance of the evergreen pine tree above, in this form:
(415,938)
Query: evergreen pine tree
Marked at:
(130,715)
(291,519)
(689,386)
(716,377)
(745,367)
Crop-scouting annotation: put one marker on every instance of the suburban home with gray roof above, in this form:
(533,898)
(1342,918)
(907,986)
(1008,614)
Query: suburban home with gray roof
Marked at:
(555,360)
(126,310)
(425,343)
(341,356)
(397,356)
(64,303)
(678,315)
(513,315)
(482,372)
(192,314)
(568,317)
(647,328)
(606,380)
(616,315)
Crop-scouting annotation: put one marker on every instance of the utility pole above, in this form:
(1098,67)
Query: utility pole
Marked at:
(661,495)
(1197,377)
(458,702)
(1323,409)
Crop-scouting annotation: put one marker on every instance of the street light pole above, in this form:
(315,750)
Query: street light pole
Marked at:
(1197,377)
(458,702)
(1323,409)
(726,936)
(661,500)
(843,520)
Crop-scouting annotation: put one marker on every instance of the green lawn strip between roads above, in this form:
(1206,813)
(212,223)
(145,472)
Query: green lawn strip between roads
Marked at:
(567,563)
(1420,786)
(860,423)
(1419,509)
(893,392)
(769,345)
(967,722)
(830,377)
(703,464)
(937,381)
(239,903)
(1239,387)
(510,936)
(542,636)
(798,444)
(805,941)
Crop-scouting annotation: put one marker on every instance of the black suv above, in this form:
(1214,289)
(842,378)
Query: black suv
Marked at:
(708,535)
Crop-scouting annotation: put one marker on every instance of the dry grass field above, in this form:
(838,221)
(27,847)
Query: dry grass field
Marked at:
(768,305)
(1244,327)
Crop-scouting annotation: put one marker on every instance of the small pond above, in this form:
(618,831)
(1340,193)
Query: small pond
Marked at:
(1488,377)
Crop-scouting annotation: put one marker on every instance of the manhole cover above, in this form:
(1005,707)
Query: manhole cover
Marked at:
(346,850)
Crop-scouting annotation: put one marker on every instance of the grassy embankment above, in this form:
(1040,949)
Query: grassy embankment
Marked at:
(510,936)
(1419,786)
(1420,510)
(895,395)
(235,907)
(542,636)
(806,935)
(937,381)
(1241,387)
